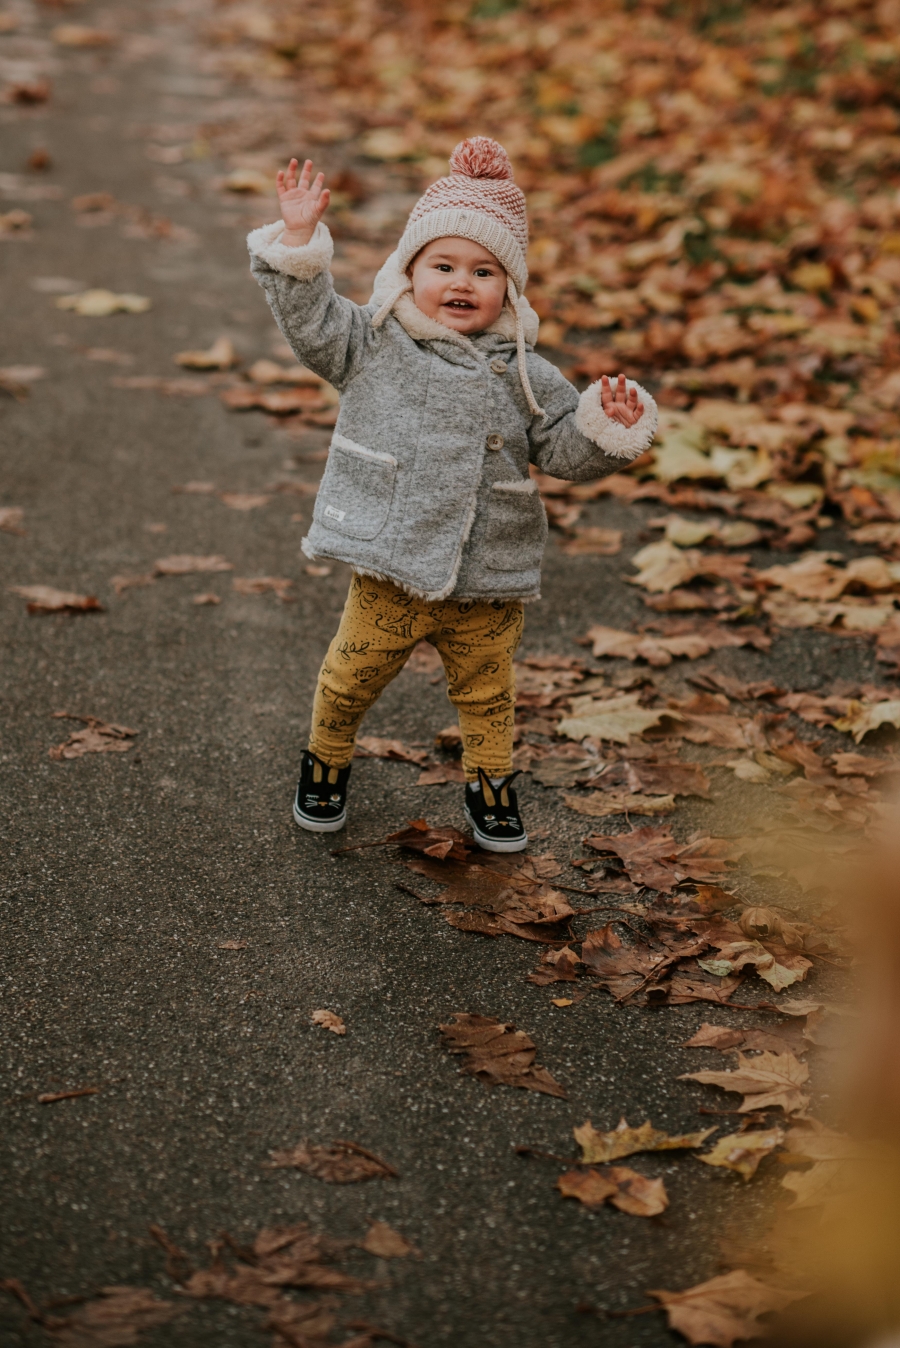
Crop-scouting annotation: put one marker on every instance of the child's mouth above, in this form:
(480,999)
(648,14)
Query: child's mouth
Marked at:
(458,304)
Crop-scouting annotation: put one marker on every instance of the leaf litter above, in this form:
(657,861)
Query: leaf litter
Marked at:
(333,1162)
(98,737)
(497,1054)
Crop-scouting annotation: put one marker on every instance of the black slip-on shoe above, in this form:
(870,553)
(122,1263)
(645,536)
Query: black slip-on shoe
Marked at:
(320,804)
(493,812)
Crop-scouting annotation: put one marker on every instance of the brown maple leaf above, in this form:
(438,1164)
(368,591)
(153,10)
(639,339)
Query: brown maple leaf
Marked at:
(618,1185)
(46,599)
(118,1315)
(767,1081)
(498,1054)
(333,1162)
(723,1309)
(98,737)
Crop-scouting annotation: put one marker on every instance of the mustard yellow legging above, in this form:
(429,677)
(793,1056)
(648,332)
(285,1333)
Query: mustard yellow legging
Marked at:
(476,639)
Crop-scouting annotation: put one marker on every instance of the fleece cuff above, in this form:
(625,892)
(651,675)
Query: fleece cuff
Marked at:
(616,440)
(304,262)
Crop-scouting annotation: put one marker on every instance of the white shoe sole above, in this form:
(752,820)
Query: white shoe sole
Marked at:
(494,844)
(319,825)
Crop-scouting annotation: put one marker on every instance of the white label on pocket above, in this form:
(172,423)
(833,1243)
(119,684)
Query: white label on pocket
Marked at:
(332,514)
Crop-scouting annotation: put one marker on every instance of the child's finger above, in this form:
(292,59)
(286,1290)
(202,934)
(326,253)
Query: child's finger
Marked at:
(322,203)
(316,189)
(620,389)
(639,411)
(605,391)
(306,174)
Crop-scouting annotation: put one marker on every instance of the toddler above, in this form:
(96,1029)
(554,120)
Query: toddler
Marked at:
(427,492)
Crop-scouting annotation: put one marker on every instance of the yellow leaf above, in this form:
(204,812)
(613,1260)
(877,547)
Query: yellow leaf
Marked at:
(624,1141)
(742,1152)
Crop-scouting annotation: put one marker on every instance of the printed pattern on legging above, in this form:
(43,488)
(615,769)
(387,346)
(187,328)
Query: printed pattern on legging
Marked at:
(380,626)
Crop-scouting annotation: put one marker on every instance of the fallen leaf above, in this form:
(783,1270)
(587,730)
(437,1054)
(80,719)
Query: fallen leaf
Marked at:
(233,945)
(122,583)
(280,402)
(768,1081)
(78,35)
(723,1309)
(98,738)
(28,91)
(373,746)
(593,542)
(11,518)
(270,372)
(101,303)
(625,1189)
(864,717)
(278,586)
(603,803)
(249,181)
(556,966)
(386,1243)
(724,1038)
(333,1162)
(220,356)
(615,719)
(590,1187)
(498,1054)
(244,500)
(598,1148)
(562,1001)
(313,570)
(15,224)
(207,597)
(46,599)
(635,1194)
(811,1187)
(117,1316)
(329,1021)
(742,1152)
(440,774)
(185,564)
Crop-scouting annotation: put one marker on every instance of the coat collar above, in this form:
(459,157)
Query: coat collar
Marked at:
(421,328)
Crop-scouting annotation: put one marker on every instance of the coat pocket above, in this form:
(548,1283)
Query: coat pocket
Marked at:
(357,489)
(516,527)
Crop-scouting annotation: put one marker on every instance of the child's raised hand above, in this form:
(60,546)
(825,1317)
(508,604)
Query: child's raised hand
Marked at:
(622,403)
(302,205)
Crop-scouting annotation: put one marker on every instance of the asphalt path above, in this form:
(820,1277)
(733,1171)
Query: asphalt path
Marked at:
(124,874)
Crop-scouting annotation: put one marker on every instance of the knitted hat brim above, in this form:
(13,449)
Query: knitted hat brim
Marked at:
(473,225)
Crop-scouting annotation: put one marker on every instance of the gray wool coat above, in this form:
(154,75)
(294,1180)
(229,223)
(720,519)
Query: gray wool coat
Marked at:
(427,481)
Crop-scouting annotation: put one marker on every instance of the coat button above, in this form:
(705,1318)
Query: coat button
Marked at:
(498,366)
(495,442)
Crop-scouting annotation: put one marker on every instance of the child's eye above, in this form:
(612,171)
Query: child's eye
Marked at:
(444,266)
(483,271)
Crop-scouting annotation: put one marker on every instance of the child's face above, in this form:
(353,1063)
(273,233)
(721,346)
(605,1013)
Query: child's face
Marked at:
(459,283)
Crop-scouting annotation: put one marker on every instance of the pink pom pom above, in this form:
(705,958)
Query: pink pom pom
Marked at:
(481,157)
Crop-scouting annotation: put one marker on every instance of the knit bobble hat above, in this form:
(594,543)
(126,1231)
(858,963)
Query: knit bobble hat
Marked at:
(477,201)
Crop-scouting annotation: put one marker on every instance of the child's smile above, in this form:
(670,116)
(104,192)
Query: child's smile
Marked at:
(459,283)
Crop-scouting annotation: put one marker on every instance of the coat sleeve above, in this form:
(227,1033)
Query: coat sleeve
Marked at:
(575,439)
(326,332)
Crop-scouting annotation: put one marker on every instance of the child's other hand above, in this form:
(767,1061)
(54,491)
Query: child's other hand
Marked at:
(620,404)
(302,205)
